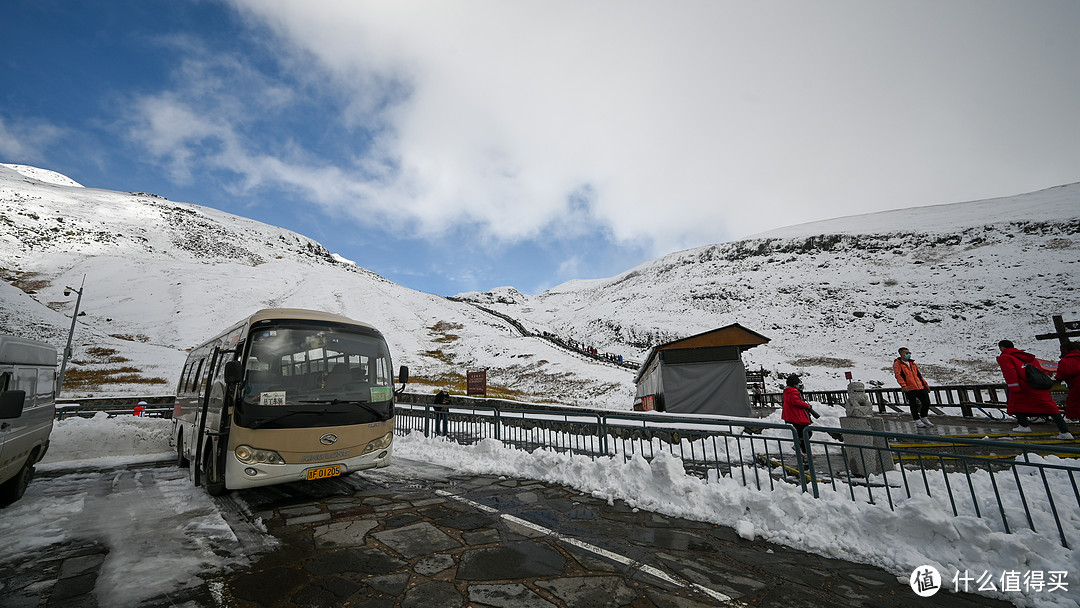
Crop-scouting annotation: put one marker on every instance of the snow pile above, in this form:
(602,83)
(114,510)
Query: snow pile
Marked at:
(101,442)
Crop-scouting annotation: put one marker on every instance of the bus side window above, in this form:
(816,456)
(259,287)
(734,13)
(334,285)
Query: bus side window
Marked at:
(183,378)
(198,375)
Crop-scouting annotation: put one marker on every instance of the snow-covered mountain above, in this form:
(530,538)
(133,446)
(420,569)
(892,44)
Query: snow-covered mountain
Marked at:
(948,281)
(161,276)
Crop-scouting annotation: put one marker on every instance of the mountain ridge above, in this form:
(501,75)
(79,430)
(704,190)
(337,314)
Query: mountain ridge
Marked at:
(164,275)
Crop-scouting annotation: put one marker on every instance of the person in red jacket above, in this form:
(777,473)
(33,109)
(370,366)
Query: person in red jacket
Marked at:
(796,412)
(1069,372)
(1023,399)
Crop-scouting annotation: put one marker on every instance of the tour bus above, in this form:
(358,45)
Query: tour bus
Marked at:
(27,409)
(285,395)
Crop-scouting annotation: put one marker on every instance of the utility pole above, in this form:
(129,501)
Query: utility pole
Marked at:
(71,333)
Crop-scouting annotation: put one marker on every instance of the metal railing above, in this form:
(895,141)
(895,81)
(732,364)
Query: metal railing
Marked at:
(1008,484)
(964,396)
(155,407)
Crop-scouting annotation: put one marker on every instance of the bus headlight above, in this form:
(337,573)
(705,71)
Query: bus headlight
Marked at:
(249,455)
(379,444)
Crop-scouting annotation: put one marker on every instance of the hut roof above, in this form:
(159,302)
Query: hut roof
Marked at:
(729,335)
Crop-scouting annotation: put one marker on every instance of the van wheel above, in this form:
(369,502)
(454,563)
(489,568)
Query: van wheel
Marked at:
(14,488)
(181,460)
(214,487)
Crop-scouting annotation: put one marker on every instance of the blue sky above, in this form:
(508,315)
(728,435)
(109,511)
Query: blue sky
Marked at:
(468,145)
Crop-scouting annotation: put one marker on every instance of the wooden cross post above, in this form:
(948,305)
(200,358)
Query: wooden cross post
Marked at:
(1065,330)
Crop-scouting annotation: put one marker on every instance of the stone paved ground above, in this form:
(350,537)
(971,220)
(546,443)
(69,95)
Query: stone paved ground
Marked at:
(413,535)
(507,543)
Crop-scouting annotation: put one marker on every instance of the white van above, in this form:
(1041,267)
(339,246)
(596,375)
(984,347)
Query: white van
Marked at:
(27,409)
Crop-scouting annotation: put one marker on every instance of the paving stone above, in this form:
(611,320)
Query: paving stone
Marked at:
(468,521)
(74,566)
(307,519)
(416,540)
(508,562)
(327,592)
(507,596)
(435,593)
(363,560)
(482,537)
(434,564)
(428,502)
(296,511)
(376,501)
(400,521)
(343,534)
(345,506)
(73,587)
(527,497)
(590,591)
(392,584)
(438,512)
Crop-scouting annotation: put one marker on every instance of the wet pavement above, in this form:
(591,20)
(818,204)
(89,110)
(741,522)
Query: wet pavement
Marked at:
(418,535)
(443,540)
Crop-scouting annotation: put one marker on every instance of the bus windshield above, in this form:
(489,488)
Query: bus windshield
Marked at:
(315,367)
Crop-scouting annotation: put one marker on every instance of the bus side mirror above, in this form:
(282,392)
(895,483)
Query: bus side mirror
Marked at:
(403,374)
(234,372)
(11,404)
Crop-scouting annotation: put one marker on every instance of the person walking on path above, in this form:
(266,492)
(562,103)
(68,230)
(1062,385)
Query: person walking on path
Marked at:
(442,414)
(1024,399)
(796,412)
(1069,371)
(915,388)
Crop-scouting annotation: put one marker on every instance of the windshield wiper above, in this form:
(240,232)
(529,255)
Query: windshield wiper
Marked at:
(265,421)
(364,404)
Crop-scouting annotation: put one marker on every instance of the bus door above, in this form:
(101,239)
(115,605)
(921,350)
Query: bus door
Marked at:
(210,468)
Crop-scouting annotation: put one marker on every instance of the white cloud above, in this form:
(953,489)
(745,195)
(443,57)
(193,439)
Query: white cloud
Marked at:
(26,140)
(690,123)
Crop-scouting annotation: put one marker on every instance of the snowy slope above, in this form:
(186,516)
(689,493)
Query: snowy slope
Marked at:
(162,277)
(948,281)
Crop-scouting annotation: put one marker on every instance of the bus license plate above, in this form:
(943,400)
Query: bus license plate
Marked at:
(323,473)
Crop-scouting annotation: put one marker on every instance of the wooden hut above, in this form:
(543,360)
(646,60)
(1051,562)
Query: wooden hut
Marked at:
(701,374)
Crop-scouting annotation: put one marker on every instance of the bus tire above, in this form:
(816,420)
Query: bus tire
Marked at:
(215,487)
(14,488)
(181,460)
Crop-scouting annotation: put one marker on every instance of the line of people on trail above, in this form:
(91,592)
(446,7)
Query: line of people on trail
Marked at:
(1026,397)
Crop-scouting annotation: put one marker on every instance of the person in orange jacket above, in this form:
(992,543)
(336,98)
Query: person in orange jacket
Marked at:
(915,388)
(1024,399)
(1068,371)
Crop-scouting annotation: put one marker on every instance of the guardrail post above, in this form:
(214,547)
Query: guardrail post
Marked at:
(965,404)
(498,425)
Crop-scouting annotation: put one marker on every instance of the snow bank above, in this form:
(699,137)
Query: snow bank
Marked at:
(103,442)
